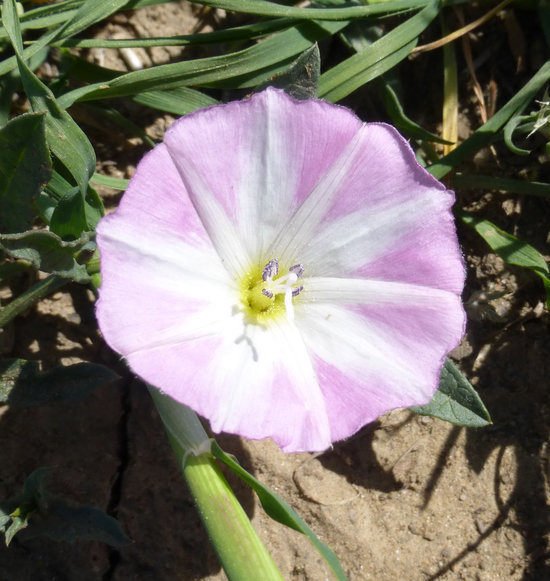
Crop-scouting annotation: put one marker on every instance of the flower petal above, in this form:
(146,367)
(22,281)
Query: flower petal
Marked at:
(259,158)
(308,184)
(161,277)
(254,382)
(377,214)
(376,345)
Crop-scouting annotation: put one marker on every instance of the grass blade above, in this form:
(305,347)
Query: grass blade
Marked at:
(483,136)
(279,510)
(239,33)
(244,68)
(511,249)
(178,101)
(264,8)
(64,137)
(378,58)
(538,189)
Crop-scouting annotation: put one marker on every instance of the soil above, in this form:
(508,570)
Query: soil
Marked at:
(409,497)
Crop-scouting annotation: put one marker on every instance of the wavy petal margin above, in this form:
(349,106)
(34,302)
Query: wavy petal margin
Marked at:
(234,186)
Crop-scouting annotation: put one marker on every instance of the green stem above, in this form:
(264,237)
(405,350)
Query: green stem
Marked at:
(29,297)
(240,550)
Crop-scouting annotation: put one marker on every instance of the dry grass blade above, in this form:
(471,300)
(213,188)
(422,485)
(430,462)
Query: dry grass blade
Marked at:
(461,31)
(450,97)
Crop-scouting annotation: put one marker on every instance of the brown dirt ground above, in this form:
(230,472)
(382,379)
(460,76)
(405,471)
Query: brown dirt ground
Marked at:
(407,498)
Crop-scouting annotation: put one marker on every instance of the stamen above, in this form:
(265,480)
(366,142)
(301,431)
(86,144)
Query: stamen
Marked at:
(282,285)
(271,269)
(297,269)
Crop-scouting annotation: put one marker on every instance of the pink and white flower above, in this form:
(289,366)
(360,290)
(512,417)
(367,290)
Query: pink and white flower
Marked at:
(283,269)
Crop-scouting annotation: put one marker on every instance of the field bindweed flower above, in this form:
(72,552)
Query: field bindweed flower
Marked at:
(283,269)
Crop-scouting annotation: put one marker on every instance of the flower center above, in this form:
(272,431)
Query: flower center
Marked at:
(266,295)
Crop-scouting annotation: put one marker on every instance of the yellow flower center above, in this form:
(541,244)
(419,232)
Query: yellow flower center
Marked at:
(266,296)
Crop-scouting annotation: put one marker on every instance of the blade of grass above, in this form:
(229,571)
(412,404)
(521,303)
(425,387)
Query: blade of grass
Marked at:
(238,33)
(25,300)
(10,63)
(264,8)
(65,139)
(178,101)
(398,117)
(45,16)
(450,96)
(109,182)
(245,68)
(511,249)
(88,14)
(379,57)
(72,22)
(538,189)
(483,136)
(462,31)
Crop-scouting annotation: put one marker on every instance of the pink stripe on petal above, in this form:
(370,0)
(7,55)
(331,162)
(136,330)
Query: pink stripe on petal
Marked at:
(153,289)
(385,173)
(418,335)
(352,404)
(425,256)
(157,199)
(254,396)
(373,358)
(261,157)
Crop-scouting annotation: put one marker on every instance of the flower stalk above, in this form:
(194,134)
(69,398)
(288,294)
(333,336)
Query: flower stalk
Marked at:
(239,549)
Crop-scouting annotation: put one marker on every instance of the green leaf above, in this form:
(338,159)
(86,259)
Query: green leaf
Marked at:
(63,522)
(483,136)
(61,206)
(65,139)
(25,167)
(23,384)
(93,209)
(529,188)
(301,79)
(511,249)
(110,182)
(34,488)
(88,14)
(178,101)
(20,508)
(245,68)
(455,401)
(400,119)
(69,217)
(10,270)
(265,8)
(42,514)
(378,58)
(18,524)
(279,510)
(48,252)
